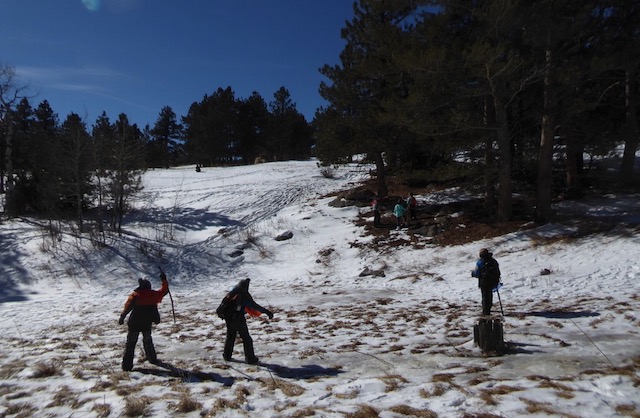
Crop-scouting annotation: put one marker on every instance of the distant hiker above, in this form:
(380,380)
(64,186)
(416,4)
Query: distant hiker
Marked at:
(487,272)
(399,212)
(375,207)
(232,309)
(412,203)
(198,169)
(143,305)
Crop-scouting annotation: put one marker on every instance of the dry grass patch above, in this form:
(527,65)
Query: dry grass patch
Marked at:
(443,377)
(45,369)
(136,407)
(20,410)
(535,407)
(66,396)
(127,390)
(305,412)
(413,412)
(476,369)
(628,410)
(102,410)
(488,395)
(11,369)
(288,388)
(548,383)
(392,382)
(480,379)
(364,411)
(187,403)
(438,390)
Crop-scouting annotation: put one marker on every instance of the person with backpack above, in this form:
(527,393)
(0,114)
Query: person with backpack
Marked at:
(399,211)
(487,272)
(233,308)
(143,305)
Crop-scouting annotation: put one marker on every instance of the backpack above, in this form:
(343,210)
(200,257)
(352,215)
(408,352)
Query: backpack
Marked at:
(490,274)
(228,307)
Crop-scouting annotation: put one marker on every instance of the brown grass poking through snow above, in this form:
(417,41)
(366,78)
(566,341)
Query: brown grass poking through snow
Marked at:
(628,410)
(135,407)
(438,390)
(187,403)
(45,369)
(535,407)
(19,410)
(102,410)
(364,411)
(413,412)
(392,382)
(10,369)
(66,396)
(288,388)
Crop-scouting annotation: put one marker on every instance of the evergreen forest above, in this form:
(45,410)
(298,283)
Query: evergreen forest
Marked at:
(511,97)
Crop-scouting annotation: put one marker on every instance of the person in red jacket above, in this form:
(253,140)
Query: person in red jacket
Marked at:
(143,305)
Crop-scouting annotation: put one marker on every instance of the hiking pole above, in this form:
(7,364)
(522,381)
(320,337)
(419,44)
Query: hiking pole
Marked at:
(497,289)
(173,310)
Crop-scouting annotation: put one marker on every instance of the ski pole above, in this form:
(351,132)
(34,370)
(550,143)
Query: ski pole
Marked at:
(173,310)
(499,299)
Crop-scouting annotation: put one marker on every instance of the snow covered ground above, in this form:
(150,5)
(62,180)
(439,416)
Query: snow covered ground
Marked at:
(340,344)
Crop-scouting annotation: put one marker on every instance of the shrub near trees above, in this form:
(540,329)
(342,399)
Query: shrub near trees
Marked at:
(420,82)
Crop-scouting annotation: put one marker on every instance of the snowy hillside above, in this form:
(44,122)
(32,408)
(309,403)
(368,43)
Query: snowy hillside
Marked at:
(399,343)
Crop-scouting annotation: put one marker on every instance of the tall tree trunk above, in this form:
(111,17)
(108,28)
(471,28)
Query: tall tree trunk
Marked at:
(8,163)
(573,167)
(632,140)
(383,191)
(505,199)
(545,158)
(489,163)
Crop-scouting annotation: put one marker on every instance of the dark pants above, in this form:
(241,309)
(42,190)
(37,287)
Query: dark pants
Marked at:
(235,326)
(412,213)
(487,300)
(130,349)
(376,218)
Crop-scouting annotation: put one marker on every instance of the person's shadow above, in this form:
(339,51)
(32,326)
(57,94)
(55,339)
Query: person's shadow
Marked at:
(308,371)
(187,376)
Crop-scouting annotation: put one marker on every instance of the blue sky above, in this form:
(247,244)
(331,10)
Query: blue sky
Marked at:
(137,56)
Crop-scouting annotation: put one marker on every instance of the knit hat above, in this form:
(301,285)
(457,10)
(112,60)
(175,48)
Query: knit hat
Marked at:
(484,253)
(144,284)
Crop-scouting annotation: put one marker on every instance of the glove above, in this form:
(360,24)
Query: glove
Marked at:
(270,314)
(121,320)
(163,276)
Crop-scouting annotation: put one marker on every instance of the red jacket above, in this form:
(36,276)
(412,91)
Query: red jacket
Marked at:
(143,305)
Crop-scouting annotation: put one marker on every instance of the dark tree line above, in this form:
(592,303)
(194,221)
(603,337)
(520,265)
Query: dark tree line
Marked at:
(67,170)
(524,85)
(223,129)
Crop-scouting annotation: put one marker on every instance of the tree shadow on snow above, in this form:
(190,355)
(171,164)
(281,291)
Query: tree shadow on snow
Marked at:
(308,371)
(561,314)
(187,376)
(184,218)
(12,272)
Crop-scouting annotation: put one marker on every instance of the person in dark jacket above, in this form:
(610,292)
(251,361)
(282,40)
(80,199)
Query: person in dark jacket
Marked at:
(143,305)
(487,272)
(241,303)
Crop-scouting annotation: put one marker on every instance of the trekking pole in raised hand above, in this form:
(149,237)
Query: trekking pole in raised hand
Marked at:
(173,310)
